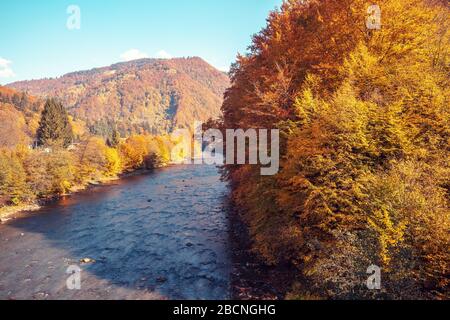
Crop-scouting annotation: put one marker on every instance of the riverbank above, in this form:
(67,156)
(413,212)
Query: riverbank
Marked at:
(251,278)
(8,213)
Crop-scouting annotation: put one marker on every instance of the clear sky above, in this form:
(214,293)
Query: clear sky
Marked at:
(35,41)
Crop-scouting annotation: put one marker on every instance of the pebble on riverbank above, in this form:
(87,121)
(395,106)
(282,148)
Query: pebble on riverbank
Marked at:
(87,260)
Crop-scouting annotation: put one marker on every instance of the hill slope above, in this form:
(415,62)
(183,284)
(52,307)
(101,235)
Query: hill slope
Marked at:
(19,117)
(147,95)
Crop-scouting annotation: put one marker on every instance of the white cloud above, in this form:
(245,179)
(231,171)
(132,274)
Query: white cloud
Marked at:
(133,54)
(162,54)
(223,69)
(5,69)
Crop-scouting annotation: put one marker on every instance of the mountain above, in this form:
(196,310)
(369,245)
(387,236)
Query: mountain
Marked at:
(148,95)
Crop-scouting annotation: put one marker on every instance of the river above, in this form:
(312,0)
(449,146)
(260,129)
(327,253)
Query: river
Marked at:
(162,235)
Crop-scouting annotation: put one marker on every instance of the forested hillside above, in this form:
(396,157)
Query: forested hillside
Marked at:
(18,117)
(142,96)
(20,114)
(365,168)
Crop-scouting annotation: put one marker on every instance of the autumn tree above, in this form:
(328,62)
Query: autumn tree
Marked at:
(114,140)
(113,162)
(13,187)
(91,160)
(134,151)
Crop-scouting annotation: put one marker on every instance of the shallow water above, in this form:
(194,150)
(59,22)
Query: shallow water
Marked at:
(158,236)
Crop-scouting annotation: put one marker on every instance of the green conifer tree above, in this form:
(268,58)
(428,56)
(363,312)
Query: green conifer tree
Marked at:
(54,126)
(114,141)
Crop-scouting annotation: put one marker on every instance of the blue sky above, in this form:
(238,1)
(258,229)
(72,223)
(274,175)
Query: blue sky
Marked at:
(36,43)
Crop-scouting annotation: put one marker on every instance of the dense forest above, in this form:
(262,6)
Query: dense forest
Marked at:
(365,171)
(44,153)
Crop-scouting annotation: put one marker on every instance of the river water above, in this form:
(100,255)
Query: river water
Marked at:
(162,235)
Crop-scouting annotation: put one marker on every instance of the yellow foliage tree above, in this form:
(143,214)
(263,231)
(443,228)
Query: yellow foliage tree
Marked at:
(13,187)
(134,151)
(114,165)
(91,161)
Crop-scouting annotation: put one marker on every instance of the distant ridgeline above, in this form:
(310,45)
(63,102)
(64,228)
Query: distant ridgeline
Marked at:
(151,96)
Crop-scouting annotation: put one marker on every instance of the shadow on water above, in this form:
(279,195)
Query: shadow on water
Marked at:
(157,236)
